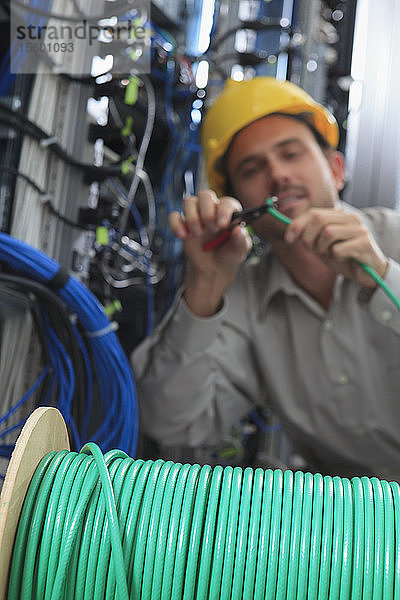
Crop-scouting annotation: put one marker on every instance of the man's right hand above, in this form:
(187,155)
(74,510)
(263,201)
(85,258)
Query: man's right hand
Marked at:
(210,272)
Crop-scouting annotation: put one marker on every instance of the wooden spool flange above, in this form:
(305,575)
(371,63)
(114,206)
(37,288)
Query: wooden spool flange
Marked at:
(43,432)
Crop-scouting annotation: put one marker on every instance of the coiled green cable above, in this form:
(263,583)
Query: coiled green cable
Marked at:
(263,536)
(95,526)
(371,272)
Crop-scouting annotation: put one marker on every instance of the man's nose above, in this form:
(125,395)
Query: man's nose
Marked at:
(279,175)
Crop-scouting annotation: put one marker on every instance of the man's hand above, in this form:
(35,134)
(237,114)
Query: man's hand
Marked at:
(340,239)
(210,272)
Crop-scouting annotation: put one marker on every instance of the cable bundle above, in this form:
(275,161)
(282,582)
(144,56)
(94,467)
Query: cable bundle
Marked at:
(98,345)
(165,530)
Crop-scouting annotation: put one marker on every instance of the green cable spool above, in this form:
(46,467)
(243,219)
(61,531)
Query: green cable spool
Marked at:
(95,526)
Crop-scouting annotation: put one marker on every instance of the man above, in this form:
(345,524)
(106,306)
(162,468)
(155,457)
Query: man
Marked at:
(305,329)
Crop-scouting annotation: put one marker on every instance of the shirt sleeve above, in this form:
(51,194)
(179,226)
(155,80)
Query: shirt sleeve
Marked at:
(190,389)
(385,224)
(381,305)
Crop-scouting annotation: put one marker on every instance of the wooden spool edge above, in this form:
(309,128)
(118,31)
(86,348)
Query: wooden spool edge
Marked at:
(44,431)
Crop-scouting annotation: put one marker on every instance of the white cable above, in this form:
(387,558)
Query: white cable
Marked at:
(145,179)
(151,113)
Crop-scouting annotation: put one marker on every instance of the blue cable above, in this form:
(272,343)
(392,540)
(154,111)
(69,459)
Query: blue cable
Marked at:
(110,364)
(262,425)
(6,449)
(63,366)
(26,396)
(12,428)
(89,382)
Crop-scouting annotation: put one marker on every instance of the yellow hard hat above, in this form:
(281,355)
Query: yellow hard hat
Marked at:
(242,102)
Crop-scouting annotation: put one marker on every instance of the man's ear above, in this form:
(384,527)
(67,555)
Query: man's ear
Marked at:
(337,164)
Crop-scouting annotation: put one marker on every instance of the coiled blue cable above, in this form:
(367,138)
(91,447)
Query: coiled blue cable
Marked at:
(110,364)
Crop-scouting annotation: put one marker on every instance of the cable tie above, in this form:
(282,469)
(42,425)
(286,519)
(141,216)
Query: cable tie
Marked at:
(50,141)
(59,279)
(113,326)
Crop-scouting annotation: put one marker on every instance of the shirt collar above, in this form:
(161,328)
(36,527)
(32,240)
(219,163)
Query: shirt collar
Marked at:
(278,280)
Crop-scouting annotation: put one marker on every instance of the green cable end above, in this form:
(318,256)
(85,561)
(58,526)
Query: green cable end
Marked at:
(270,202)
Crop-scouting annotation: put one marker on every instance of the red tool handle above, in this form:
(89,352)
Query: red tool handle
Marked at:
(217,241)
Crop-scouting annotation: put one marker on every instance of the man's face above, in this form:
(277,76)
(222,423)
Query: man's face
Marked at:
(279,156)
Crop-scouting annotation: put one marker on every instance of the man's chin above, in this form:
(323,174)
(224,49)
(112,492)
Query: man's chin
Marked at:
(293,208)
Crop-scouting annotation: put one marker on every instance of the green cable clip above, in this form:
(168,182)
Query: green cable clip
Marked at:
(126,166)
(102,235)
(132,90)
(127,128)
(112,307)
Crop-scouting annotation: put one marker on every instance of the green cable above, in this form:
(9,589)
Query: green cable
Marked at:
(274,536)
(371,272)
(162,535)
(326,539)
(154,529)
(315,548)
(263,540)
(253,532)
(103,575)
(295,540)
(173,532)
(359,530)
(220,537)
(369,539)
(132,523)
(382,284)
(50,548)
(276,213)
(242,535)
(199,513)
(206,553)
(154,524)
(347,544)
(231,534)
(21,563)
(71,488)
(143,521)
(125,481)
(337,539)
(388,577)
(185,525)
(87,559)
(286,529)
(305,536)
(379,519)
(396,500)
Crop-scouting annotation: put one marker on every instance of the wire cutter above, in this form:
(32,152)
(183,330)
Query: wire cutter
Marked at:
(241,217)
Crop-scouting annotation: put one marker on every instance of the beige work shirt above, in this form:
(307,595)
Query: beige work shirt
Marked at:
(332,376)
